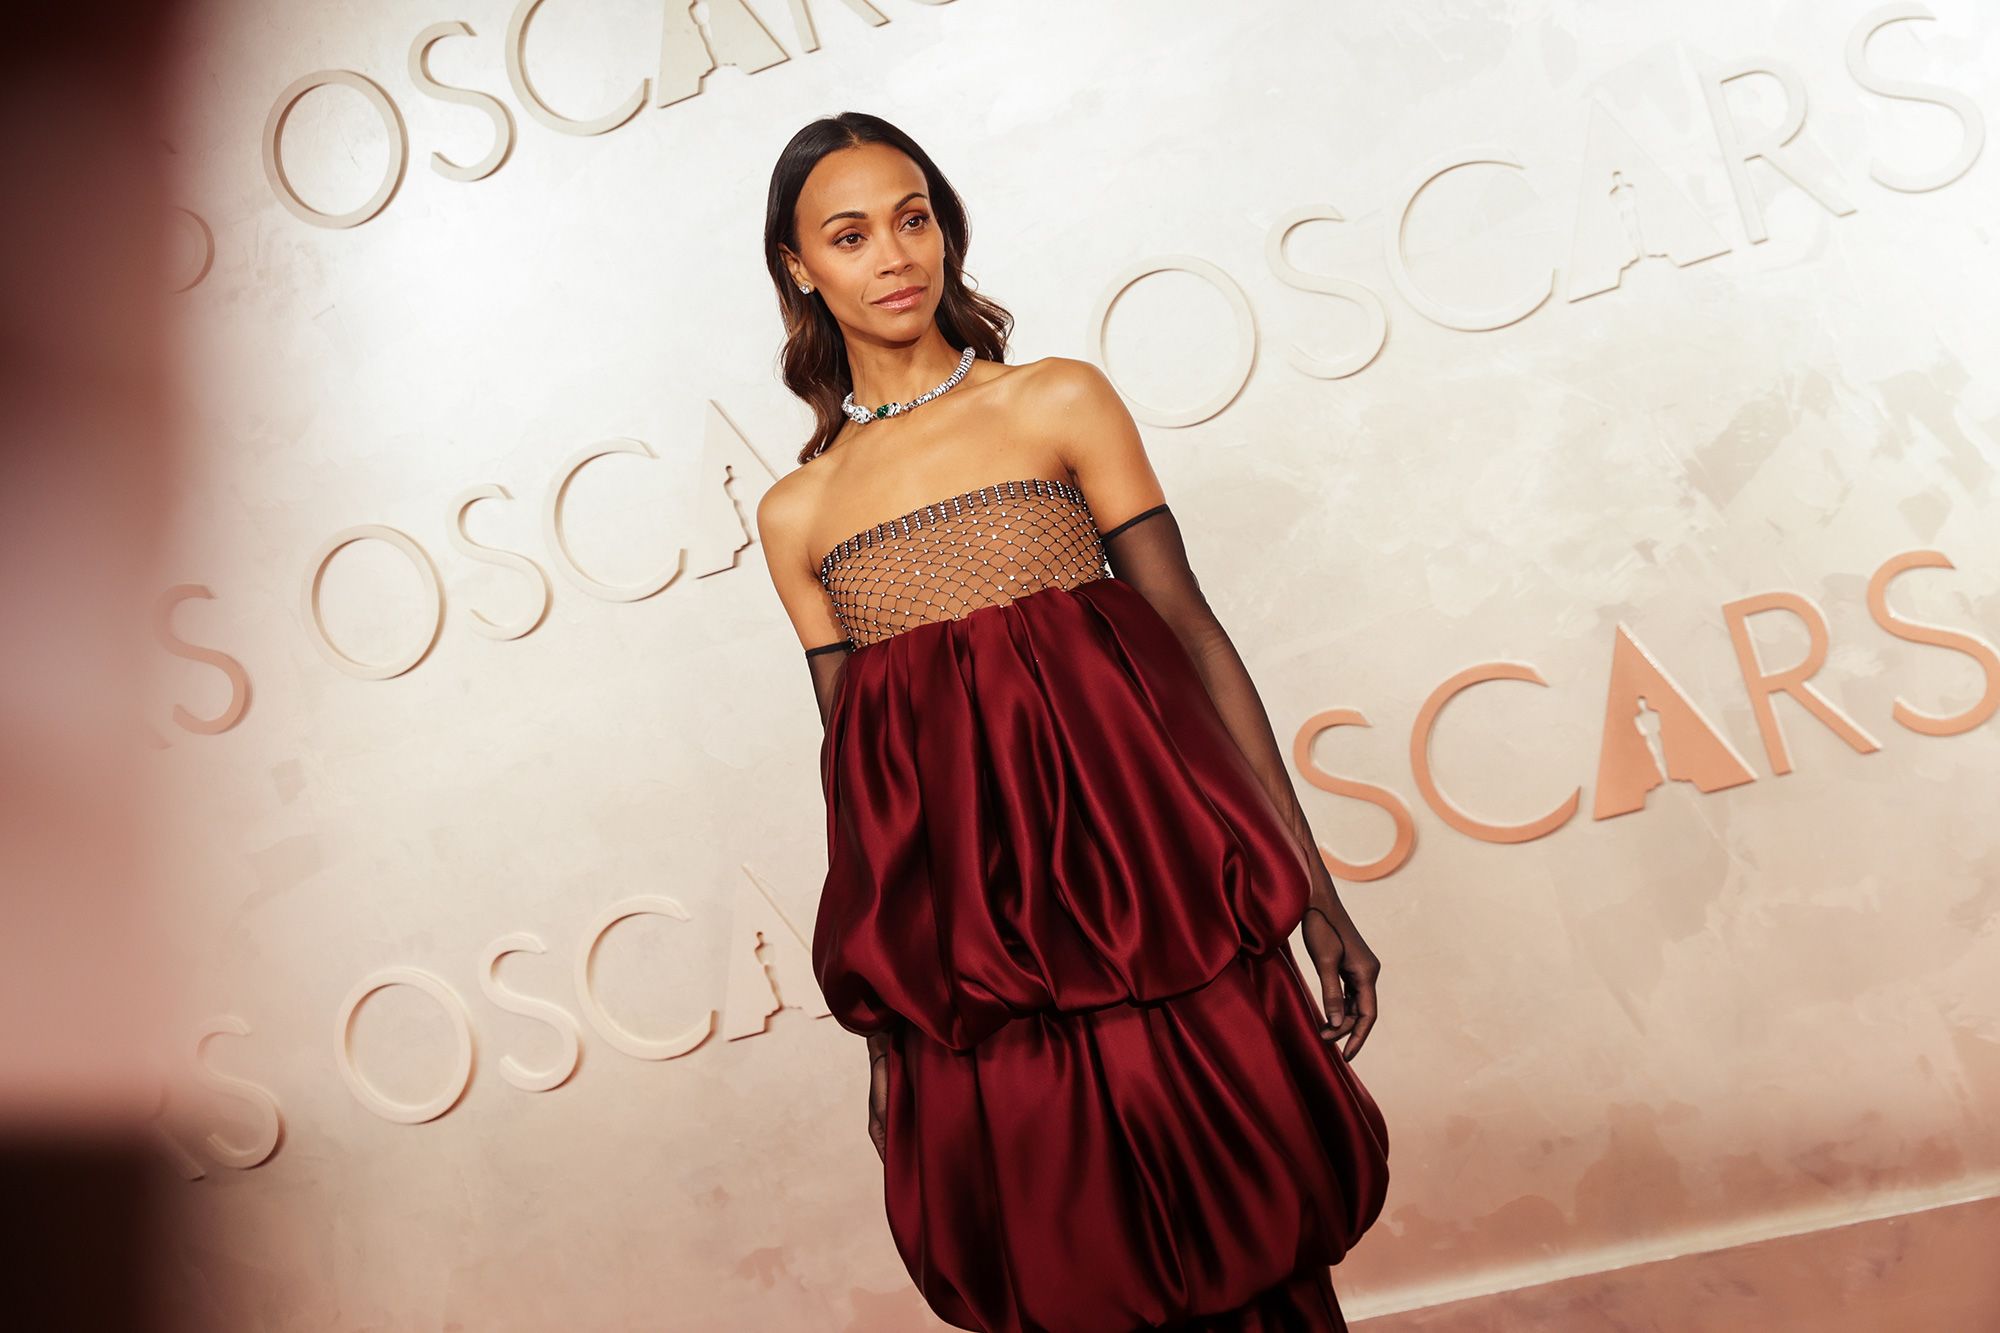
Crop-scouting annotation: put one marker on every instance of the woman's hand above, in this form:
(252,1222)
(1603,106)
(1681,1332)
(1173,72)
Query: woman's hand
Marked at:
(878,1092)
(1347,966)
(878,1104)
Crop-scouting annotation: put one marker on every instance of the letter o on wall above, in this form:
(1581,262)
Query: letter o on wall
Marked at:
(316,628)
(406,1113)
(1246,334)
(274,130)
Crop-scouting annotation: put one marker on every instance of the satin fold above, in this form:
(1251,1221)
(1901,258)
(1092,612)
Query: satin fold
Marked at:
(1037,807)
(1055,879)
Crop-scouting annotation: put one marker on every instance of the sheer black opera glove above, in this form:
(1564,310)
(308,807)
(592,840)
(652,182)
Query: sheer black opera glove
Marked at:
(1146,551)
(827,662)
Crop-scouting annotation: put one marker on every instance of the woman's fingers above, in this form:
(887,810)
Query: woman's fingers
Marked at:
(1347,972)
(1363,1004)
(878,1106)
(1323,942)
(1339,1012)
(1361,971)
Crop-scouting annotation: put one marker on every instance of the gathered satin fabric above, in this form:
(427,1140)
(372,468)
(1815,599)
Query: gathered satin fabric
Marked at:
(1055,879)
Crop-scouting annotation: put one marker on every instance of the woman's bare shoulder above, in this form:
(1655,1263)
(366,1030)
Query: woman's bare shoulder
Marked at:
(1056,377)
(1049,400)
(1072,407)
(788,506)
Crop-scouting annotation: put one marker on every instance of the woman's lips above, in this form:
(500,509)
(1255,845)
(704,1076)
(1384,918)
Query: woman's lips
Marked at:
(903,300)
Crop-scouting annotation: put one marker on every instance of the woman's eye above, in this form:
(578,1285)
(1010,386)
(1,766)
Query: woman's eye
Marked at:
(840,242)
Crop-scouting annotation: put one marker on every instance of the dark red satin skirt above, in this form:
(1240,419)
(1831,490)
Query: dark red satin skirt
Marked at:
(1054,878)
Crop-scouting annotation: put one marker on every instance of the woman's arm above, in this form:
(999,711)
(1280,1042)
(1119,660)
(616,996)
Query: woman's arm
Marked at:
(1150,555)
(1144,545)
(781,521)
(781,516)
(827,661)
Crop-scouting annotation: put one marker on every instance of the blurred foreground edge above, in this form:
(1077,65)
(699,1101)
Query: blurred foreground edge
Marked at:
(87,458)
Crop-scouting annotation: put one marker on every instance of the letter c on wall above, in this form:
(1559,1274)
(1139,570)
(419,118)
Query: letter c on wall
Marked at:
(1420,760)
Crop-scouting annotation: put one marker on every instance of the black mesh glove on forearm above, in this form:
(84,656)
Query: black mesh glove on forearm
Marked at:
(826,662)
(1146,551)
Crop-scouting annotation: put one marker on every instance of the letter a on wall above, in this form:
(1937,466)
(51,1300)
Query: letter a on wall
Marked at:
(1643,706)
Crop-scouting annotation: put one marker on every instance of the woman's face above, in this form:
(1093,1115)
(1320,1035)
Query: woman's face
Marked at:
(866,232)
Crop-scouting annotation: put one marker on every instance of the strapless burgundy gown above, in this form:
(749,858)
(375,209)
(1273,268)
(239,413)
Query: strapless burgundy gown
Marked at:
(1052,874)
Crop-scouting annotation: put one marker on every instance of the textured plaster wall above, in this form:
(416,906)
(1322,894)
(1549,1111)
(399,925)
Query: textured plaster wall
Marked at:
(1728,1015)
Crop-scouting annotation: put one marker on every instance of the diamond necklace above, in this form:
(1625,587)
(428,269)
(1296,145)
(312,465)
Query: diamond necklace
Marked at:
(864,416)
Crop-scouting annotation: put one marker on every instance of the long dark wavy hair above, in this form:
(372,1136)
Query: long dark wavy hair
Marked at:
(814,359)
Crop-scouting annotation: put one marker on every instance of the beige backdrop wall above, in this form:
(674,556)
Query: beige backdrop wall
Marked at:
(559,868)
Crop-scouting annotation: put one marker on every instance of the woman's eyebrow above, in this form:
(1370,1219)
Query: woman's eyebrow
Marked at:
(857,213)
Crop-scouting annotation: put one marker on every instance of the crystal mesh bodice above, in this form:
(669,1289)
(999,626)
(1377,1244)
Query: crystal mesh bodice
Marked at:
(982,547)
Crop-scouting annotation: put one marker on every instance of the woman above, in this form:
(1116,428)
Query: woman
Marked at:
(1064,856)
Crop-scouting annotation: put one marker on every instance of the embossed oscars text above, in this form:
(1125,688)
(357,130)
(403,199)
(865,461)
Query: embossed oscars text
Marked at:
(690,49)
(1652,731)
(759,979)
(1627,209)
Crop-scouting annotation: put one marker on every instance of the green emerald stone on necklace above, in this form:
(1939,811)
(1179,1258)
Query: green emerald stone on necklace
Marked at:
(863,415)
